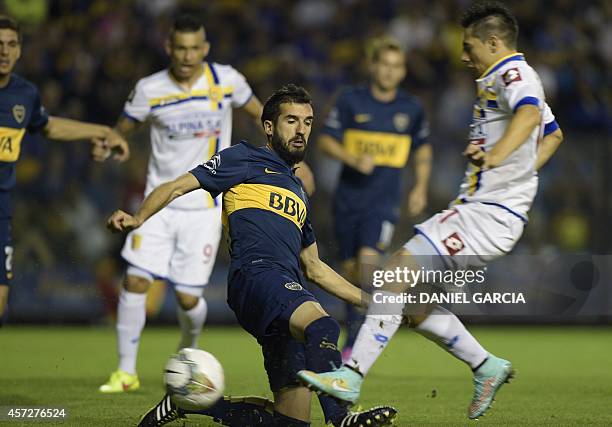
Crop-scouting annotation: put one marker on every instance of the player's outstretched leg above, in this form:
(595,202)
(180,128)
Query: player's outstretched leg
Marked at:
(488,379)
(233,411)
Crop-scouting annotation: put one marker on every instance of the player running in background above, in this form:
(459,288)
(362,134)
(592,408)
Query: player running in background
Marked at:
(372,130)
(21,110)
(485,221)
(267,219)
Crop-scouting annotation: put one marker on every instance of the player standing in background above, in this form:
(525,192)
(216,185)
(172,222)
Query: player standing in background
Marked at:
(21,110)
(486,220)
(267,219)
(372,130)
(189,107)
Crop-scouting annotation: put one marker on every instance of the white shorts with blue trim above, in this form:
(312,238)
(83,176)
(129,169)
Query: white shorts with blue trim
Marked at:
(177,245)
(468,235)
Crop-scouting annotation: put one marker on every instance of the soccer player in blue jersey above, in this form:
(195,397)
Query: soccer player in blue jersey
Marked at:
(21,110)
(372,130)
(266,217)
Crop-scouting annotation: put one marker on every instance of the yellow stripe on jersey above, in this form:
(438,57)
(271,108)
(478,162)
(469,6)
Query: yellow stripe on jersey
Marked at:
(10,143)
(387,149)
(473,179)
(216,95)
(266,197)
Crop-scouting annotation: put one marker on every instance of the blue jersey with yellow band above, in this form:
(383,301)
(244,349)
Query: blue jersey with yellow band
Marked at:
(386,131)
(20,110)
(265,209)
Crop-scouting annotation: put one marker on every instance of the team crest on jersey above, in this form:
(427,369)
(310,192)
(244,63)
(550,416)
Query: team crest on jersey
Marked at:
(453,244)
(19,112)
(401,121)
(510,76)
(215,94)
(293,286)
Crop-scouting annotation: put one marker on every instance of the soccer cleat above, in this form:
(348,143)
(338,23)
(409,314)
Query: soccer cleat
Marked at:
(487,381)
(120,382)
(161,414)
(374,417)
(343,383)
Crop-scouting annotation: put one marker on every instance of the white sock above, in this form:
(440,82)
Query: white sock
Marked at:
(131,317)
(191,322)
(379,326)
(446,330)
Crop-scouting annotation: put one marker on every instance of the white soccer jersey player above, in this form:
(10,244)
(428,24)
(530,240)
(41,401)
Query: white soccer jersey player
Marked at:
(187,128)
(488,217)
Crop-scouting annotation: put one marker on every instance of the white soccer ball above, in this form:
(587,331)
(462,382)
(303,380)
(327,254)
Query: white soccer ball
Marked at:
(194,379)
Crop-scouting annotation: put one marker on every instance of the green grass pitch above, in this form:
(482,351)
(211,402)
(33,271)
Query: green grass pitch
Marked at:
(564,375)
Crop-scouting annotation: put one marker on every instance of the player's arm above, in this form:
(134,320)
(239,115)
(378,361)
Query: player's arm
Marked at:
(153,203)
(417,200)
(334,149)
(62,129)
(524,121)
(548,146)
(326,278)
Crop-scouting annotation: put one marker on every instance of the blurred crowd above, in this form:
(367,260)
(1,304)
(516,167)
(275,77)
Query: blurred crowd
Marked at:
(86,55)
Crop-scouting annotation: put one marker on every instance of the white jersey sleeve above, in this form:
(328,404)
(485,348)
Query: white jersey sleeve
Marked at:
(242,92)
(137,105)
(520,86)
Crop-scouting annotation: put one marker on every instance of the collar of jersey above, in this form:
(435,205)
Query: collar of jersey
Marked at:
(495,66)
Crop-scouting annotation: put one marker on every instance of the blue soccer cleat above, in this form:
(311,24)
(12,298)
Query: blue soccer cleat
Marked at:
(343,383)
(487,381)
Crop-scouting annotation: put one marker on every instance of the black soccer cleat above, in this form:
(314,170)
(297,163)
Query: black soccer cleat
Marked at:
(374,417)
(161,414)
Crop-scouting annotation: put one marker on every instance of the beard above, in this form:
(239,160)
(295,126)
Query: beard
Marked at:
(284,151)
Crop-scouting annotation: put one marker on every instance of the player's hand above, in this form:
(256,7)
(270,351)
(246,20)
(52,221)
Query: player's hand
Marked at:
(118,146)
(365,164)
(475,155)
(417,201)
(122,221)
(100,151)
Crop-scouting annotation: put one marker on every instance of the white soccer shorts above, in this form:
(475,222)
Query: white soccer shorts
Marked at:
(177,245)
(468,235)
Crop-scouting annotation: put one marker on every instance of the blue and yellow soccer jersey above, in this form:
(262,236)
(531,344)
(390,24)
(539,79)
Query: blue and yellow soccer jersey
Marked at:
(385,131)
(20,110)
(265,209)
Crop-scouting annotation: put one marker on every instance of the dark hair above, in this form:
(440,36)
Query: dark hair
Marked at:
(186,24)
(289,93)
(7,23)
(491,17)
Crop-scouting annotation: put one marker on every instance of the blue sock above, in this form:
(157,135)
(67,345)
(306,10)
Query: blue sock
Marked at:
(354,319)
(281,420)
(322,355)
(238,413)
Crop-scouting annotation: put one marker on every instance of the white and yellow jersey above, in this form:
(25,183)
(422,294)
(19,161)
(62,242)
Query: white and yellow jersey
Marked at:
(502,89)
(187,127)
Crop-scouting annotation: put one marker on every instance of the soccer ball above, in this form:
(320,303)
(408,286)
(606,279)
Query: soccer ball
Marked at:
(194,379)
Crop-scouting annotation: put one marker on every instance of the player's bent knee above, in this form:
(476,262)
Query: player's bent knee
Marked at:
(186,301)
(136,284)
(303,316)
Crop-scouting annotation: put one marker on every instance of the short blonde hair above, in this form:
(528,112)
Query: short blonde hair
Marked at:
(377,45)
